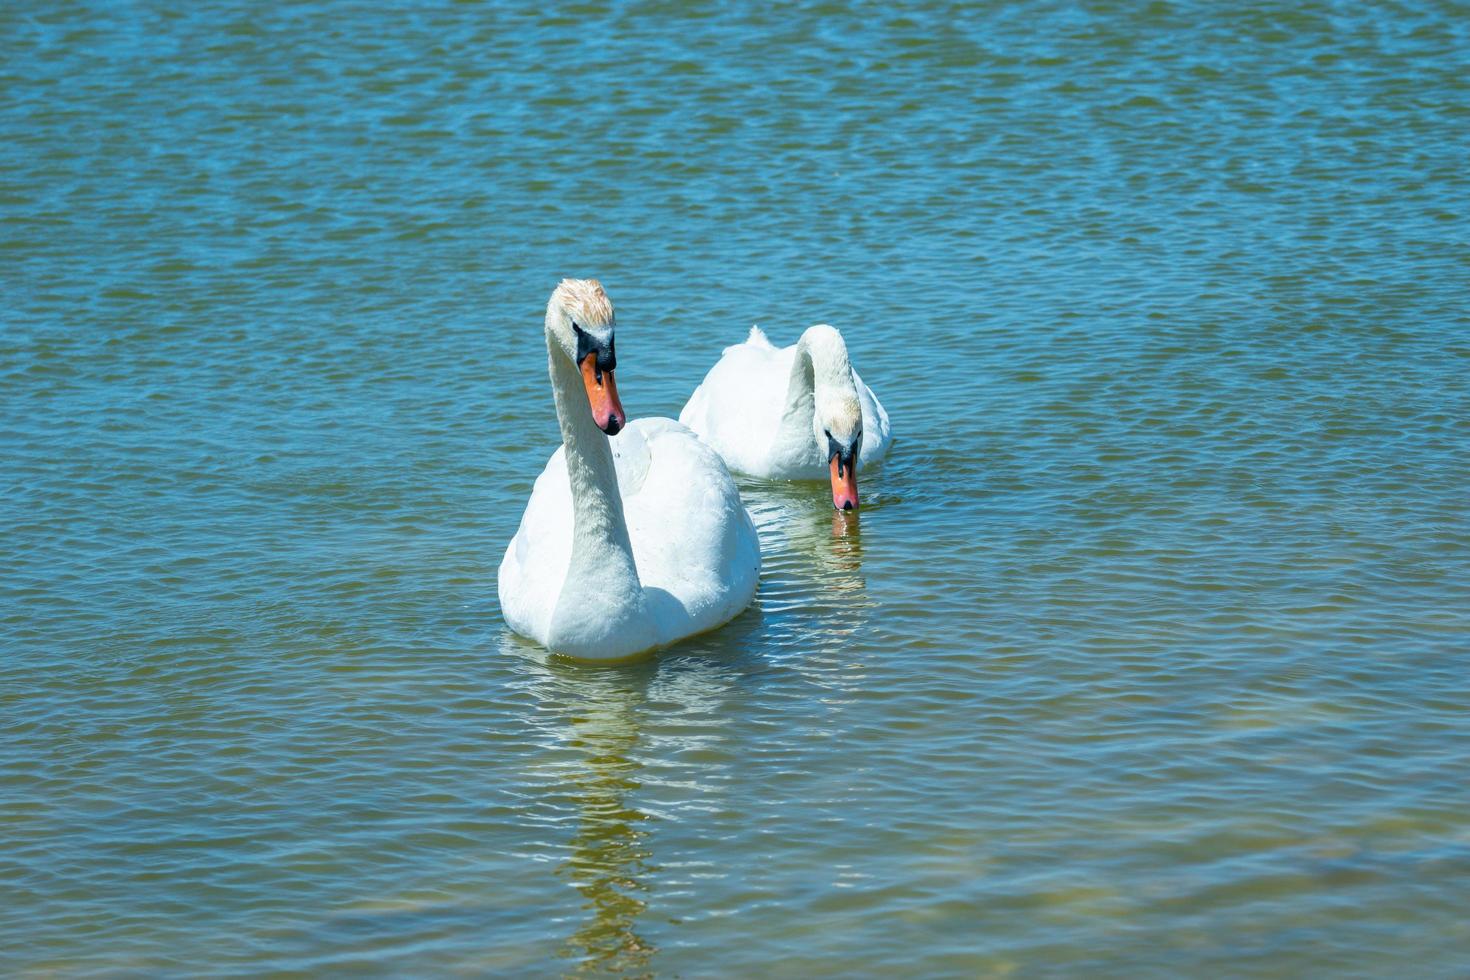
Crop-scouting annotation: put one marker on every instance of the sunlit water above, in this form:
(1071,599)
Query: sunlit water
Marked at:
(1147,655)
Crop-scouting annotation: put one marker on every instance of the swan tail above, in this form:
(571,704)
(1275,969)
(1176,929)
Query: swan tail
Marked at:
(756,339)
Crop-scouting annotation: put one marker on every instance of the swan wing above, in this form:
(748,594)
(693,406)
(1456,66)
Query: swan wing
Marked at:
(693,540)
(876,432)
(737,407)
(535,565)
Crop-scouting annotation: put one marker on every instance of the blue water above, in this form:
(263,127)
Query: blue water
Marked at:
(1147,655)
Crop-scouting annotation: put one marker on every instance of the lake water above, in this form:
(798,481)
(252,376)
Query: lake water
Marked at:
(1149,653)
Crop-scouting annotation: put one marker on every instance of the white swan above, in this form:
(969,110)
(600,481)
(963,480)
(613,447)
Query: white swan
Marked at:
(797,413)
(627,544)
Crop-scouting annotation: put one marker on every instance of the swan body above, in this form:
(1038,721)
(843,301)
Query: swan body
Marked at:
(787,413)
(628,543)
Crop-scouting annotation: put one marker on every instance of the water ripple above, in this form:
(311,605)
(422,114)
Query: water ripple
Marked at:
(1144,657)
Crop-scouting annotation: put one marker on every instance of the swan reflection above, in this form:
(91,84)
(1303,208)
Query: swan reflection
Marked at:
(610,860)
(618,737)
(813,591)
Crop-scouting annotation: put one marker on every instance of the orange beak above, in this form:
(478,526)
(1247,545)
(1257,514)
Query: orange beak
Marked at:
(844,483)
(602,395)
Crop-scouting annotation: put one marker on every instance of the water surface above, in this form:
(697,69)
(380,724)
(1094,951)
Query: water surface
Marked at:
(1146,656)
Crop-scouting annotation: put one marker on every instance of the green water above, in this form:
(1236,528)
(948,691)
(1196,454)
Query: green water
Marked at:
(1146,657)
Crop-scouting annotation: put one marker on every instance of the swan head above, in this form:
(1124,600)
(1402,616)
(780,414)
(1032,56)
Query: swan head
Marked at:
(579,318)
(842,435)
(838,416)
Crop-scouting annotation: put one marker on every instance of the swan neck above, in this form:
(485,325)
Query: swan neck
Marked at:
(602,554)
(801,387)
(796,429)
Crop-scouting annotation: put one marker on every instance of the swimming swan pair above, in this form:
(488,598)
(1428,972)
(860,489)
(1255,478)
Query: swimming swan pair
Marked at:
(659,546)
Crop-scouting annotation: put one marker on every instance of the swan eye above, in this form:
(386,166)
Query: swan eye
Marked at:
(607,358)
